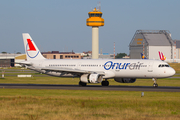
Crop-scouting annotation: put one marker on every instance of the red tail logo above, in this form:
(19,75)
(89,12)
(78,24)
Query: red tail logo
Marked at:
(161,56)
(31,46)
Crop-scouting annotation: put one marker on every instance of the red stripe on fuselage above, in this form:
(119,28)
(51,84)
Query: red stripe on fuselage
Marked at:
(31,46)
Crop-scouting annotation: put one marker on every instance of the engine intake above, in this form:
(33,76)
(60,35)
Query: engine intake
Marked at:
(91,78)
(125,80)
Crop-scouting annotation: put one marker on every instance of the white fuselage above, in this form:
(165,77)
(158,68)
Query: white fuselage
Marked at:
(112,68)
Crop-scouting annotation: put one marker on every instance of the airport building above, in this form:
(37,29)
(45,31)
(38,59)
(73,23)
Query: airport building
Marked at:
(88,55)
(150,43)
(177,49)
(10,60)
(61,55)
(101,56)
(95,20)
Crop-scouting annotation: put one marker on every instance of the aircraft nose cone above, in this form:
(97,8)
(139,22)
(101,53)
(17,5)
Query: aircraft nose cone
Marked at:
(172,72)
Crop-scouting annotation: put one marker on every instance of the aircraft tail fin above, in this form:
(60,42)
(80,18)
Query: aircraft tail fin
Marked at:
(31,50)
(161,56)
(143,56)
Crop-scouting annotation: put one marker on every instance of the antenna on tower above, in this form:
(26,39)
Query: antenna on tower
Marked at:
(101,51)
(99,6)
(91,9)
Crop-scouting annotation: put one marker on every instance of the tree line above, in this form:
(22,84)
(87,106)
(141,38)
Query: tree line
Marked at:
(120,55)
(7,53)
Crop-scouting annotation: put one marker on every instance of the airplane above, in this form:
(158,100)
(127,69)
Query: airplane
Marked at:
(143,56)
(95,70)
(161,56)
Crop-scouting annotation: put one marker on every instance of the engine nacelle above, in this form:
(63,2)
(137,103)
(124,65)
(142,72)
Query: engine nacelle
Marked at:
(91,78)
(125,80)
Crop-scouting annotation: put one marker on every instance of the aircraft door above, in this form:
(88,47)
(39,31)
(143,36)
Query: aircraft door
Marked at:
(40,64)
(150,66)
(79,66)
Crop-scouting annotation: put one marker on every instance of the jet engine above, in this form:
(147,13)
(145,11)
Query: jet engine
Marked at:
(125,80)
(91,78)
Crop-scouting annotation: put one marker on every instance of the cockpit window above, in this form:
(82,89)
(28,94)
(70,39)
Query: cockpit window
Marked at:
(166,65)
(163,65)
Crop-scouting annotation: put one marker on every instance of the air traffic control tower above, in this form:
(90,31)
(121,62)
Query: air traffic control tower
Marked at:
(95,21)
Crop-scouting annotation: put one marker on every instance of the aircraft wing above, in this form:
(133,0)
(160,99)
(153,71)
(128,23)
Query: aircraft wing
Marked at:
(24,63)
(72,71)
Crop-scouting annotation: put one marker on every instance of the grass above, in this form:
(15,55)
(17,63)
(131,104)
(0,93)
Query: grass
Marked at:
(176,66)
(75,81)
(90,105)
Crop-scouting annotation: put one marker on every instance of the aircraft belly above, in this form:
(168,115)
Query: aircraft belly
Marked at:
(109,74)
(133,74)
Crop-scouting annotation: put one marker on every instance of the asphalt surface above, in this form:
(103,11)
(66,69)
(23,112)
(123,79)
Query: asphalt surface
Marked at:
(89,87)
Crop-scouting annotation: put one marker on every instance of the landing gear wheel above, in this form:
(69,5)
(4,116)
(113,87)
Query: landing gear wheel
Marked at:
(105,83)
(155,85)
(82,83)
(155,82)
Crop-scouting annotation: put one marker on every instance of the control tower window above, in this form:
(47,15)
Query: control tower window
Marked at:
(98,15)
(91,15)
(95,15)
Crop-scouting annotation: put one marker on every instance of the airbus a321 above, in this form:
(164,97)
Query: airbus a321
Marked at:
(95,70)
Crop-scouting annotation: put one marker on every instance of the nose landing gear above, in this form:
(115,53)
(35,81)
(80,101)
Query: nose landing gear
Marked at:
(155,82)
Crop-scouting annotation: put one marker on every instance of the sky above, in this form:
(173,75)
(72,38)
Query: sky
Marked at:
(60,25)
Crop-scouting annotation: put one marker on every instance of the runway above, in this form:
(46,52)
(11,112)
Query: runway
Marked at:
(89,87)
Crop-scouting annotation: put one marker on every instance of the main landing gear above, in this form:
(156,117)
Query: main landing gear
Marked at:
(155,82)
(105,83)
(82,83)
